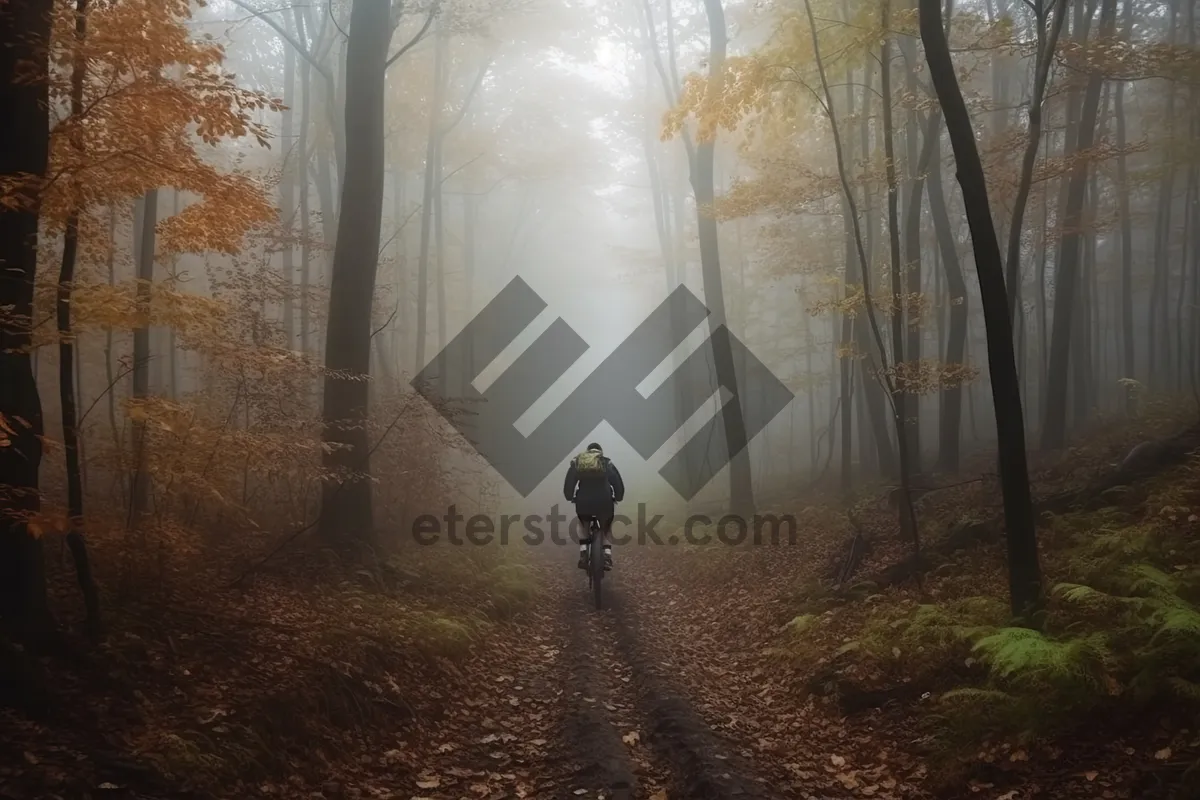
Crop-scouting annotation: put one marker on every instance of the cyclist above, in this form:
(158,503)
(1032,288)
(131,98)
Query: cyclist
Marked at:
(594,485)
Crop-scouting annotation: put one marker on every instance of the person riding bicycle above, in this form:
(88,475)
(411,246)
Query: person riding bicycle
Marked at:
(594,485)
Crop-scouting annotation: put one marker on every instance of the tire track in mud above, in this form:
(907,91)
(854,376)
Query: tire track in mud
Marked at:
(703,764)
(602,726)
(632,733)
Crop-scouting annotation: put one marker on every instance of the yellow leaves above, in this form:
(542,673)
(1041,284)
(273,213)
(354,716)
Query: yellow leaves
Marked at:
(136,412)
(195,318)
(783,186)
(719,101)
(6,432)
(194,451)
(930,375)
(165,415)
(233,205)
(45,522)
(848,350)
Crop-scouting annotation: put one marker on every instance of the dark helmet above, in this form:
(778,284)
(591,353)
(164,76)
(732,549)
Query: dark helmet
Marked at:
(596,447)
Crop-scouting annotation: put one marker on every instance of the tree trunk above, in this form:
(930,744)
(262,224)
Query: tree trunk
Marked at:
(346,501)
(139,503)
(440,78)
(439,256)
(1047,43)
(24,151)
(667,249)
(1054,434)
(399,329)
(847,358)
(1126,221)
(907,517)
(303,158)
(950,425)
(290,168)
(918,163)
(900,398)
(172,350)
(66,347)
(1184,249)
(1024,570)
(470,224)
(1159,356)
(741,489)
(1043,305)
(872,391)
(110,379)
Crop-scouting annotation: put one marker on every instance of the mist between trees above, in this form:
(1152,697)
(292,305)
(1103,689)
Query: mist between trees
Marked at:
(964,233)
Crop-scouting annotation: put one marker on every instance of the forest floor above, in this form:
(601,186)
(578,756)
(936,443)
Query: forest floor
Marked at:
(488,675)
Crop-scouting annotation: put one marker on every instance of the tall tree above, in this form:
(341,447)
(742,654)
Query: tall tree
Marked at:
(1047,44)
(950,427)
(431,197)
(66,341)
(1054,429)
(24,156)
(1126,296)
(139,503)
(732,420)
(899,398)
(1025,587)
(346,500)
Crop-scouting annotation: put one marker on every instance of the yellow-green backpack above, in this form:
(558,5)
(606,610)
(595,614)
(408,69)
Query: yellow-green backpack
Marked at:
(589,463)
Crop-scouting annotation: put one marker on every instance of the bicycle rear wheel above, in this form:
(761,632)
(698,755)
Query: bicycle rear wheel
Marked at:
(596,564)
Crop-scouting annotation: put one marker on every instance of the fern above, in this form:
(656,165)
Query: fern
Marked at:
(977,698)
(1086,597)
(1149,581)
(1184,689)
(1028,659)
(971,714)
(800,625)
(1179,622)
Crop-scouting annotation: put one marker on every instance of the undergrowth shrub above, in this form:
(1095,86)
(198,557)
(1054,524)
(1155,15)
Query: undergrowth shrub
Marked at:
(1121,634)
(926,637)
(441,635)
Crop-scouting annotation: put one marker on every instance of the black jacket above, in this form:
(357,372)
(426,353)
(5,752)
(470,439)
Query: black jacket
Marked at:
(591,494)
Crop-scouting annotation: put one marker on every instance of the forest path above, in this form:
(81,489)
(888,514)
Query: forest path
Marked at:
(704,622)
(579,708)
(673,752)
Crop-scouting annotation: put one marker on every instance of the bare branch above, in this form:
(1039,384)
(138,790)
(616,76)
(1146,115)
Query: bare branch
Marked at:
(433,9)
(287,37)
(461,167)
(466,103)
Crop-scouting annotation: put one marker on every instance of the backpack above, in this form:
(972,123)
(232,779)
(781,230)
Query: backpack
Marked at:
(590,463)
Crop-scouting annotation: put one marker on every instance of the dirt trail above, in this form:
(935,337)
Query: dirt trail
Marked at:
(709,633)
(630,731)
(561,702)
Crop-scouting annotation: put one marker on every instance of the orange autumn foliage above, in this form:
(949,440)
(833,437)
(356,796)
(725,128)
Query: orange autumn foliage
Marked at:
(157,103)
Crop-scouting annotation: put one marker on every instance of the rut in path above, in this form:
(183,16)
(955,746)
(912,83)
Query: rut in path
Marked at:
(666,745)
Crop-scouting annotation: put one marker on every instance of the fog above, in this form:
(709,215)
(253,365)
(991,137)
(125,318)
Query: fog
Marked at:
(562,143)
(308,309)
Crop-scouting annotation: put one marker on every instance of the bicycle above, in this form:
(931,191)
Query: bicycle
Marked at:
(595,568)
